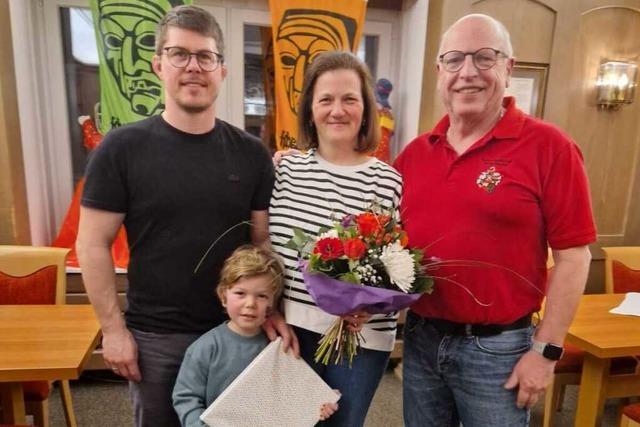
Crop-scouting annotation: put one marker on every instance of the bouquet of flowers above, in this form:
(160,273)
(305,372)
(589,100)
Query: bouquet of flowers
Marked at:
(360,263)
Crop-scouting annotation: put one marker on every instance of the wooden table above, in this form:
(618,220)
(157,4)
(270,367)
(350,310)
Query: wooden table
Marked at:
(42,342)
(603,335)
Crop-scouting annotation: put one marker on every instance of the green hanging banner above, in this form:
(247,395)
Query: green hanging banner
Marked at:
(125,34)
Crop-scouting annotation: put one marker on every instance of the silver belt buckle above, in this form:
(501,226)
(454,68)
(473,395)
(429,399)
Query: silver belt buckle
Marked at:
(467,329)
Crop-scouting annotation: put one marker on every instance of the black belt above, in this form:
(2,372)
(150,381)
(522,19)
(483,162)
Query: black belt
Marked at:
(448,327)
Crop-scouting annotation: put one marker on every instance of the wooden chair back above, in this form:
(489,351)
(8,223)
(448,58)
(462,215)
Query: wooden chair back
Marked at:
(627,255)
(21,261)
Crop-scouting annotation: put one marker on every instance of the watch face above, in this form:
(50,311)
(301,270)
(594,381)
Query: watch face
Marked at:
(552,352)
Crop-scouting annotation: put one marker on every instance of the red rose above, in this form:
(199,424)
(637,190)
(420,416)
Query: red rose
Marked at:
(354,248)
(368,224)
(329,248)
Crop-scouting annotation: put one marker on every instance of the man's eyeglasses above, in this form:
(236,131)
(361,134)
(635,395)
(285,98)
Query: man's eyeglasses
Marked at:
(180,57)
(483,59)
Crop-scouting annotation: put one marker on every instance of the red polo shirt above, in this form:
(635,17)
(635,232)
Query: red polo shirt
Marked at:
(494,209)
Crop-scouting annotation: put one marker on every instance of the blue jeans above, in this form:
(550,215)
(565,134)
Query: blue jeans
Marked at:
(357,384)
(447,379)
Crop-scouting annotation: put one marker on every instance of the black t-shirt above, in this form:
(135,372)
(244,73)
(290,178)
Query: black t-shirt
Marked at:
(179,192)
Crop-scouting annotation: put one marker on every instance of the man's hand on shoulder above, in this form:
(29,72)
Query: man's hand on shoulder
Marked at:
(278,155)
(531,375)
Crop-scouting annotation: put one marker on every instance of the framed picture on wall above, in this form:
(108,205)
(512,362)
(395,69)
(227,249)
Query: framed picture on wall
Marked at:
(528,86)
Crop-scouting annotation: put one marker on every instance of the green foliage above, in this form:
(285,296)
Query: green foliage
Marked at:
(350,277)
(423,284)
(300,242)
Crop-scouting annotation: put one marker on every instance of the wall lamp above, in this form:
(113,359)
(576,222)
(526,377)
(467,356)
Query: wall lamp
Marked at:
(616,84)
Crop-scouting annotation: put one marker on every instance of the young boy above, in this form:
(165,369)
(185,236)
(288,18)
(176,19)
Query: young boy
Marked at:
(251,282)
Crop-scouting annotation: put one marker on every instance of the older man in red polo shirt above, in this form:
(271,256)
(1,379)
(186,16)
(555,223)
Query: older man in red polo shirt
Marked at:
(493,185)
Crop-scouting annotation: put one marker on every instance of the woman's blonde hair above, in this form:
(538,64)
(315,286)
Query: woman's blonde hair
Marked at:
(369,134)
(250,261)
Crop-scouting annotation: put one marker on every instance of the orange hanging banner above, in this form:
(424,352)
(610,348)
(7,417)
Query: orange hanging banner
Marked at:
(301,30)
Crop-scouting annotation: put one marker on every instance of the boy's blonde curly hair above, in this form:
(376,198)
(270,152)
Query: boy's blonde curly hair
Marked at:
(250,261)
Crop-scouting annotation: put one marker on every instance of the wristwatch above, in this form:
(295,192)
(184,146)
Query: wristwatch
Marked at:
(548,350)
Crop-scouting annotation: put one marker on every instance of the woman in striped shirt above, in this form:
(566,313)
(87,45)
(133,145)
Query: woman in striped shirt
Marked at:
(337,176)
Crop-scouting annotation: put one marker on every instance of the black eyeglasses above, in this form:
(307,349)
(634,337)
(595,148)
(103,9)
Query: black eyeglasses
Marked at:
(180,57)
(483,59)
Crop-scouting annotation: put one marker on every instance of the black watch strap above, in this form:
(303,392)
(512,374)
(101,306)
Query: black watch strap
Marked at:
(548,350)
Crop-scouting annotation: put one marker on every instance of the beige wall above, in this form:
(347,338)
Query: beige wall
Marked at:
(571,37)
(14,219)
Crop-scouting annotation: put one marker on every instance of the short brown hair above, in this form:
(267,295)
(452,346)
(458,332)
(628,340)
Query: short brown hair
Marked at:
(192,18)
(249,261)
(369,134)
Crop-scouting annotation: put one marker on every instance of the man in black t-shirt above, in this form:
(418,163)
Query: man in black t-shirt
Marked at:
(179,182)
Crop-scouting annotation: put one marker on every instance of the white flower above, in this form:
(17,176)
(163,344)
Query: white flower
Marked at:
(399,265)
(329,233)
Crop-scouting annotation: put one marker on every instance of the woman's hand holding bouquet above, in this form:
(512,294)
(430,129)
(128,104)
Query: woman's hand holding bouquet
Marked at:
(358,267)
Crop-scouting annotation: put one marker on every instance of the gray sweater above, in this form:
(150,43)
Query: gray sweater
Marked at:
(210,364)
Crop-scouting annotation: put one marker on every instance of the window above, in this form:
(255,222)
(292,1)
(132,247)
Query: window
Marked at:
(81,77)
(255,73)
(83,40)
(368,52)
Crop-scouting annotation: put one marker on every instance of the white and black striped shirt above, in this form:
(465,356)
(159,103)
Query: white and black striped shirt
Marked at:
(311,193)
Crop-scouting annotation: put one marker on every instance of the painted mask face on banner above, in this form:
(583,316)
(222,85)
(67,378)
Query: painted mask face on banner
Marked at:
(304,34)
(128,35)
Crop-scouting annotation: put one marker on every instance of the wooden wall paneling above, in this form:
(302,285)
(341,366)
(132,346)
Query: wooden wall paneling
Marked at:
(595,280)
(557,103)
(632,230)
(531,25)
(609,139)
(14,217)
(430,101)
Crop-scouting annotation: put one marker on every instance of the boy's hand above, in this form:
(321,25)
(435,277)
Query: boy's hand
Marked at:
(327,410)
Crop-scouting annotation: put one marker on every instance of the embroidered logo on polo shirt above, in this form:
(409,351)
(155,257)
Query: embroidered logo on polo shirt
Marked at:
(489,179)
(497,162)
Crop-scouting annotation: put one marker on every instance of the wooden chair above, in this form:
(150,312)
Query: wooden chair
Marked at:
(36,275)
(622,275)
(630,416)
(622,269)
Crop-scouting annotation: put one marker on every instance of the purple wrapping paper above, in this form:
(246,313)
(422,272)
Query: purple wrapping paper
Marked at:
(341,298)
